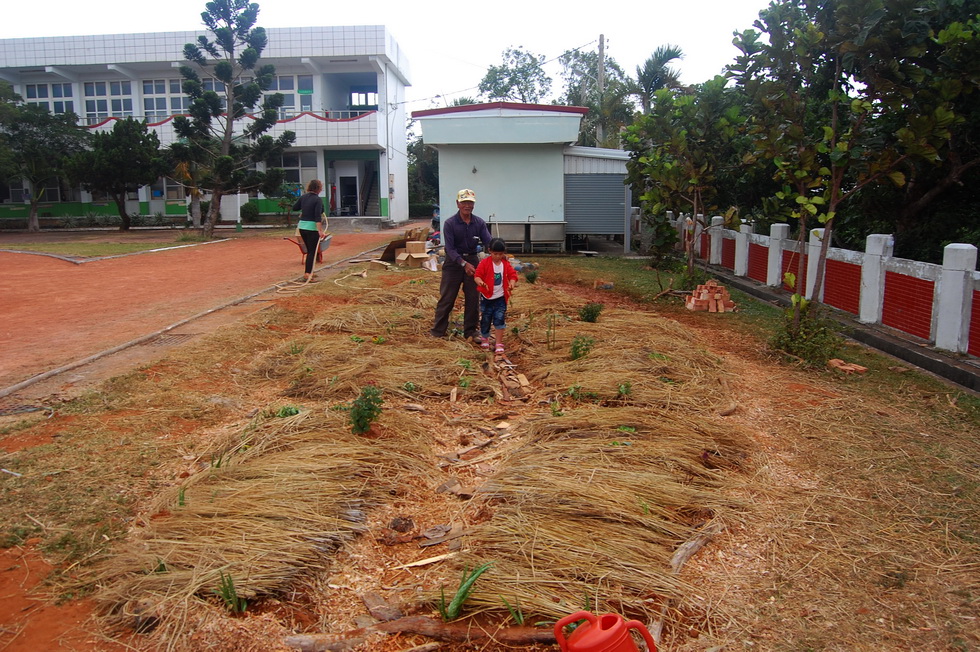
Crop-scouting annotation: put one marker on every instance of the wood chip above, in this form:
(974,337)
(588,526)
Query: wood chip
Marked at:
(426,561)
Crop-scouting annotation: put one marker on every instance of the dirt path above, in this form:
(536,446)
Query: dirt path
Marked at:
(56,311)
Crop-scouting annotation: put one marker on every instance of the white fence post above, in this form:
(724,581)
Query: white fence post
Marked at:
(813,258)
(778,235)
(742,250)
(714,253)
(951,317)
(877,249)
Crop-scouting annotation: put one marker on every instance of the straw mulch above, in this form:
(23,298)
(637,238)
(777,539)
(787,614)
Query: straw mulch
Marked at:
(637,358)
(588,515)
(266,512)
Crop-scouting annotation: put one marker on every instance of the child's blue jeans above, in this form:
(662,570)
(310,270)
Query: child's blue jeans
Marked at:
(494,311)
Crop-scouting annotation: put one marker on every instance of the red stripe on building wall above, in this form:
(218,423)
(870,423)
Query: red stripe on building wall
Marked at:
(758,262)
(790,264)
(842,286)
(728,253)
(973,347)
(705,245)
(908,304)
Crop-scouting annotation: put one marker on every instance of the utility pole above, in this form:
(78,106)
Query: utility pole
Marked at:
(601,79)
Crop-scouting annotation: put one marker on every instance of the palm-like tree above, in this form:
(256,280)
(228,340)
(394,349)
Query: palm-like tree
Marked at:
(655,74)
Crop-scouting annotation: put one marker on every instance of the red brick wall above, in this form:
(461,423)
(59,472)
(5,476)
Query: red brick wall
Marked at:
(908,304)
(790,262)
(728,253)
(842,286)
(973,348)
(758,262)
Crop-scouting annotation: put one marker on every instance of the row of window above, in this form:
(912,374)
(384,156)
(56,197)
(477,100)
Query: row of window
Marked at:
(165,97)
(299,167)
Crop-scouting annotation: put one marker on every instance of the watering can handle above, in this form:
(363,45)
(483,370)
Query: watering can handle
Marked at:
(573,618)
(641,628)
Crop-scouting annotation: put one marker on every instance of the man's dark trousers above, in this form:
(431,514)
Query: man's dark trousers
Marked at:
(453,275)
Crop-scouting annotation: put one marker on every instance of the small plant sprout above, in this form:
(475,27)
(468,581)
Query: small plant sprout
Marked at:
(556,409)
(295,349)
(229,594)
(410,386)
(465,364)
(464,382)
(590,312)
(626,429)
(624,389)
(181,497)
(356,339)
(377,339)
(287,411)
(452,610)
(365,409)
(581,345)
(515,610)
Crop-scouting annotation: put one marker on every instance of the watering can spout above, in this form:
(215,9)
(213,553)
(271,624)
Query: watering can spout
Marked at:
(605,633)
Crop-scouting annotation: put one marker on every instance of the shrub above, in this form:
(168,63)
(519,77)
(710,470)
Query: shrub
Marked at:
(365,409)
(590,312)
(249,212)
(581,345)
(813,338)
(531,275)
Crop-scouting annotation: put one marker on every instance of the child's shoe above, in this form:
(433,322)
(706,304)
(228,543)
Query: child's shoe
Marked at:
(499,350)
(485,343)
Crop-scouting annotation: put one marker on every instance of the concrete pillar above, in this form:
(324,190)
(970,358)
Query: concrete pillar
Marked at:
(742,249)
(951,318)
(813,257)
(778,235)
(714,252)
(876,252)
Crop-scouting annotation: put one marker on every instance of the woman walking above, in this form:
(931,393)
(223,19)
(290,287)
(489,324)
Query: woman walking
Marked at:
(311,226)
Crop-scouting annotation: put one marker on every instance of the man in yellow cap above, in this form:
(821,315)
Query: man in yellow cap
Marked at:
(461,234)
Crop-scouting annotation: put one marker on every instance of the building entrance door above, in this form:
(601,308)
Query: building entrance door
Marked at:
(348,195)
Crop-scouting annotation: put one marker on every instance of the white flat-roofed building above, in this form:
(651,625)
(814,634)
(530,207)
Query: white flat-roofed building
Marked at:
(344,90)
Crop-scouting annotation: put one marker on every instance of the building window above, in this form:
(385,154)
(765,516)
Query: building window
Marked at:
(299,168)
(166,188)
(363,98)
(38,94)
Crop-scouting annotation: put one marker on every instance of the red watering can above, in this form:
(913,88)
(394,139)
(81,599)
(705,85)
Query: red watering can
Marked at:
(605,633)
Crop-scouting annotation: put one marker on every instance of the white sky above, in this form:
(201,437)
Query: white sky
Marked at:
(449,45)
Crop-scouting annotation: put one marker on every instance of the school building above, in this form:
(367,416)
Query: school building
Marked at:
(344,90)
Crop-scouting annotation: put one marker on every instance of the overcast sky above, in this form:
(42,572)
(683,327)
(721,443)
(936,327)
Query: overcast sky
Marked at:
(449,45)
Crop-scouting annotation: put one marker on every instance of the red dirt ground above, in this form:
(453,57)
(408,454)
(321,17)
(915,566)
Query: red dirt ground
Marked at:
(56,312)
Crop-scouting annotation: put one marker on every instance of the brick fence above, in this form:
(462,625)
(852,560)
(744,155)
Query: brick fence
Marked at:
(937,303)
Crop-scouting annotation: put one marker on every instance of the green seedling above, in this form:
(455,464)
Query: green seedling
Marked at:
(229,594)
(356,339)
(181,497)
(452,610)
(410,387)
(287,411)
(556,409)
(626,429)
(624,389)
(515,611)
(590,312)
(581,346)
(465,364)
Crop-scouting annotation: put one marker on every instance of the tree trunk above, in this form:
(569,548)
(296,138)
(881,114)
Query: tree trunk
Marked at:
(214,212)
(120,201)
(195,208)
(33,225)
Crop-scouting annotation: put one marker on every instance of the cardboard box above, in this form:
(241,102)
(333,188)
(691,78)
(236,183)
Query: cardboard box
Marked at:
(416,260)
(402,259)
(415,246)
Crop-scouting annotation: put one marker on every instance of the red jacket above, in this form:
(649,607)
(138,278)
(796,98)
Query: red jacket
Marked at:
(485,271)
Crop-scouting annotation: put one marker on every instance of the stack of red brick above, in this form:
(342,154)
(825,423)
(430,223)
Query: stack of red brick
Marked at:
(711,297)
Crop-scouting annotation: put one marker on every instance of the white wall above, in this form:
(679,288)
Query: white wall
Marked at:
(512,182)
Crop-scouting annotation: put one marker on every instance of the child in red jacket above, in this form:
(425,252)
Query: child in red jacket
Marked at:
(495,277)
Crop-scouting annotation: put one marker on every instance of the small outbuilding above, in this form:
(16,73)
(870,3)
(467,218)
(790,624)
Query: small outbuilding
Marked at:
(533,186)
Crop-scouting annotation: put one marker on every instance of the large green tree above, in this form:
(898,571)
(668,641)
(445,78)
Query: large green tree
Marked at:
(213,139)
(520,77)
(36,146)
(840,100)
(119,162)
(680,152)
